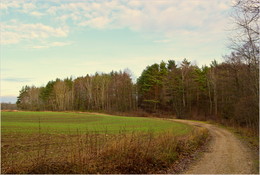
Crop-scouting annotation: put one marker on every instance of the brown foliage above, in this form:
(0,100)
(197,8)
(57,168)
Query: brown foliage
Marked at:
(92,153)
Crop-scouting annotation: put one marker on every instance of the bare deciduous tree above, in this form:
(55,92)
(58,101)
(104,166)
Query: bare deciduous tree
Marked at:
(245,41)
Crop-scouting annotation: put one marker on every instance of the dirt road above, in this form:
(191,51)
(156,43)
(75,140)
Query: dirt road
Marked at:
(226,155)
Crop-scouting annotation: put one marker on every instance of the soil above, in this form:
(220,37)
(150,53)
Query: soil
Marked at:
(226,153)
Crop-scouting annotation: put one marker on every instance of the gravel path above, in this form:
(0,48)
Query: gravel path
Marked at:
(226,155)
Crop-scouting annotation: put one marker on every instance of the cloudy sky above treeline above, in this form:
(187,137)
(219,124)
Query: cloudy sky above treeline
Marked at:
(43,40)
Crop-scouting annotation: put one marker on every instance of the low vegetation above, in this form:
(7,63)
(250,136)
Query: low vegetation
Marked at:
(71,123)
(98,153)
(251,140)
(135,150)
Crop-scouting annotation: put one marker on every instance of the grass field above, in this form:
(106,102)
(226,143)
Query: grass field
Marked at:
(60,122)
(86,143)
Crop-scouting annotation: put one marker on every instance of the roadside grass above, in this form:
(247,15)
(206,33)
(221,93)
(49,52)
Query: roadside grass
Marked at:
(245,134)
(251,140)
(128,150)
(248,137)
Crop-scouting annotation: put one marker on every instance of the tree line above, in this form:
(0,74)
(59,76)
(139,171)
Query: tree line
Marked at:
(100,92)
(8,106)
(227,91)
(222,91)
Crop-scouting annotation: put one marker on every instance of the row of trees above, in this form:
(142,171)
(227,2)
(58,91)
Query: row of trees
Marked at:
(179,89)
(106,92)
(8,106)
(227,91)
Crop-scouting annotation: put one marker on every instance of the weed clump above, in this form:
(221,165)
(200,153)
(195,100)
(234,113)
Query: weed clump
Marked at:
(92,153)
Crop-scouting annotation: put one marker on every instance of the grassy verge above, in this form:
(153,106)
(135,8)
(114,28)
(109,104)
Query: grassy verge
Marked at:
(92,153)
(252,142)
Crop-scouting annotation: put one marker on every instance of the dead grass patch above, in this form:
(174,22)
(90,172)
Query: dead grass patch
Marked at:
(92,153)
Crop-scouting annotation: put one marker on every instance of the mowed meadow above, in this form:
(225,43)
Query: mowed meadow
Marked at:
(67,142)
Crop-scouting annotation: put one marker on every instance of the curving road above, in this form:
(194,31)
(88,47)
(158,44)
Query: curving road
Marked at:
(226,155)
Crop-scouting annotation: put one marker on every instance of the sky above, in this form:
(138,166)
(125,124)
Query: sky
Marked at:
(42,40)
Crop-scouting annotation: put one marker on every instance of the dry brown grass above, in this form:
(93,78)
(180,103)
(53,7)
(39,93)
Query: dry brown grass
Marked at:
(93,153)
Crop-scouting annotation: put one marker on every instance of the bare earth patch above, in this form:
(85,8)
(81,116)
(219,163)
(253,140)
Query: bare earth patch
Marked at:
(226,155)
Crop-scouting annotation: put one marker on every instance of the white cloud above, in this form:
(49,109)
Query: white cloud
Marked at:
(50,44)
(28,6)
(98,22)
(35,13)
(23,6)
(9,37)
(60,43)
(15,32)
(165,18)
(5,4)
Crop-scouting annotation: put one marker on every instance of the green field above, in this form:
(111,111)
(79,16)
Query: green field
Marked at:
(88,143)
(66,123)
